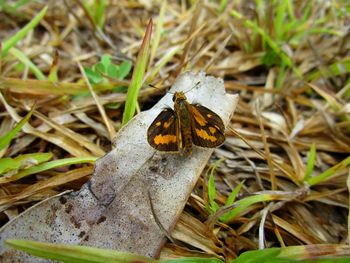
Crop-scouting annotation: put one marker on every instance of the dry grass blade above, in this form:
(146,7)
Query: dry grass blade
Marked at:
(106,120)
(196,234)
(54,181)
(61,141)
(282,167)
(79,139)
(267,150)
(291,57)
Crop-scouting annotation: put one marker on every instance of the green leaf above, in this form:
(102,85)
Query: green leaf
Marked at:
(124,69)
(106,60)
(100,68)
(98,72)
(93,76)
(7,138)
(112,71)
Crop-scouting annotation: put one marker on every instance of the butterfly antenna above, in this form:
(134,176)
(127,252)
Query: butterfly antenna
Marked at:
(196,85)
(152,86)
(172,93)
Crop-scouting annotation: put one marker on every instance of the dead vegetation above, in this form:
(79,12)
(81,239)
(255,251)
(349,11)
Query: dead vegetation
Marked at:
(287,147)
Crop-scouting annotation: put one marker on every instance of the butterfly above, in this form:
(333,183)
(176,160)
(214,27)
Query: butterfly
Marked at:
(176,130)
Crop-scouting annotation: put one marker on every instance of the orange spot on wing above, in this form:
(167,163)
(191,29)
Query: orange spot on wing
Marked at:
(167,124)
(204,135)
(198,117)
(164,139)
(212,130)
(158,123)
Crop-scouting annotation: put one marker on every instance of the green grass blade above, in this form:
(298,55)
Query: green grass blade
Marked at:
(26,61)
(38,157)
(279,20)
(310,162)
(286,60)
(12,41)
(137,76)
(158,31)
(341,67)
(293,254)
(54,68)
(13,7)
(23,161)
(273,45)
(7,138)
(99,7)
(222,6)
(213,206)
(329,172)
(163,61)
(282,73)
(74,253)
(47,166)
(8,164)
(230,200)
(192,260)
(259,256)
(243,204)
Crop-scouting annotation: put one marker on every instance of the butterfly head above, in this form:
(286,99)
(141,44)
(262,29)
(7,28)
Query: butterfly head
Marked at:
(179,96)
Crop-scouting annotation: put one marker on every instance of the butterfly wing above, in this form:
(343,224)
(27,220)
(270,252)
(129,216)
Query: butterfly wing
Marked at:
(163,132)
(207,127)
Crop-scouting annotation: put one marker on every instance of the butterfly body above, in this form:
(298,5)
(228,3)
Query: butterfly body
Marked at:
(182,112)
(176,130)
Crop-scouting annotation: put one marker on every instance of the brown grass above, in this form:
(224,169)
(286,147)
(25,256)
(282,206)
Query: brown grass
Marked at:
(268,140)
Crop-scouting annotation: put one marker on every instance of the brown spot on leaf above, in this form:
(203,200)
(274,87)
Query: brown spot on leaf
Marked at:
(101,219)
(75,222)
(68,208)
(63,200)
(81,234)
